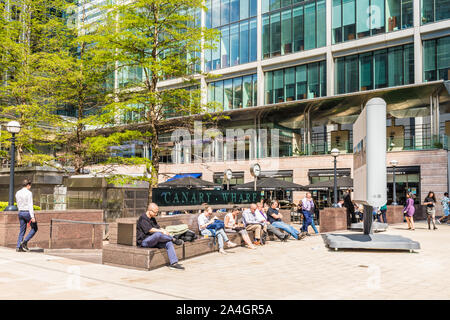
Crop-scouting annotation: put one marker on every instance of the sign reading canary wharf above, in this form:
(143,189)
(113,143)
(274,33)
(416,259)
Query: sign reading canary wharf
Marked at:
(191,197)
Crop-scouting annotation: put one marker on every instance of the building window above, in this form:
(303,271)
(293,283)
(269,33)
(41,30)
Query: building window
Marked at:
(237,41)
(353,19)
(435,10)
(295,28)
(376,69)
(436,64)
(296,83)
(239,92)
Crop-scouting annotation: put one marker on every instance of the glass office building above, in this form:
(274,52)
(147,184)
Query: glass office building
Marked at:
(308,67)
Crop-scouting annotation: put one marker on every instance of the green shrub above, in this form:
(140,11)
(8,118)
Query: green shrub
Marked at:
(3,206)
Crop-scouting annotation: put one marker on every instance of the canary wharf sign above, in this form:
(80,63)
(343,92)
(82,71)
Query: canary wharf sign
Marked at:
(191,197)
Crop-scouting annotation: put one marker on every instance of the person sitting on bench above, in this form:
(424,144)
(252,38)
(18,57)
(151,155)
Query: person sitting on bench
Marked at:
(150,235)
(274,217)
(261,215)
(253,224)
(204,221)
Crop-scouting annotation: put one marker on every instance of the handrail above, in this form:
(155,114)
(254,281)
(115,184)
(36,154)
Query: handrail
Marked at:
(75,221)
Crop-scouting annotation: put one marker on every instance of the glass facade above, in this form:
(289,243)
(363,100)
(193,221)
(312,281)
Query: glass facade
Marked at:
(296,83)
(376,69)
(353,19)
(436,59)
(434,10)
(289,26)
(236,93)
(236,21)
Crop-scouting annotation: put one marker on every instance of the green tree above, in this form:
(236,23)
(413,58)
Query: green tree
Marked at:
(32,35)
(150,41)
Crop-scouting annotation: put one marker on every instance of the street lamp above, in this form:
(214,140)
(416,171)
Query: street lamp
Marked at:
(12,127)
(393,163)
(335,154)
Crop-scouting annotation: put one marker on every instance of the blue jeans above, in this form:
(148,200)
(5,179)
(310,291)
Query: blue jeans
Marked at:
(307,220)
(24,218)
(286,227)
(220,234)
(313,225)
(160,240)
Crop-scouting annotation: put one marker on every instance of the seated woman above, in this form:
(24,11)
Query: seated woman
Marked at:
(232,226)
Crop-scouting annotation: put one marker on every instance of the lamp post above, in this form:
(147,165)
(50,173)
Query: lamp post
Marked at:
(394,164)
(335,154)
(12,127)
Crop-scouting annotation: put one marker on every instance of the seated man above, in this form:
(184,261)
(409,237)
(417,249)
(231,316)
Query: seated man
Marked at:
(204,221)
(274,218)
(150,235)
(253,224)
(262,217)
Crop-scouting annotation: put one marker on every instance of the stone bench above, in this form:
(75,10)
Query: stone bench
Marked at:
(122,249)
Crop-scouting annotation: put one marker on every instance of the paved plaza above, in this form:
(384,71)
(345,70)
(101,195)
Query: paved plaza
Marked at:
(293,270)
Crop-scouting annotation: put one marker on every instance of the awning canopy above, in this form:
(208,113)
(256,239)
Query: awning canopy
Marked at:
(183,175)
(188,182)
(342,183)
(269,184)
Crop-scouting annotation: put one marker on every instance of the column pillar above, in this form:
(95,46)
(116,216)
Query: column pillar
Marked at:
(418,58)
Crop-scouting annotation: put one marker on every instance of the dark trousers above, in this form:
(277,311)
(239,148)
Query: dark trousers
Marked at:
(277,232)
(307,220)
(383,214)
(160,240)
(24,218)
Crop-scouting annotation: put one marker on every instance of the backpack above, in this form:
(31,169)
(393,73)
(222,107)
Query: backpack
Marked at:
(188,236)
(216,225)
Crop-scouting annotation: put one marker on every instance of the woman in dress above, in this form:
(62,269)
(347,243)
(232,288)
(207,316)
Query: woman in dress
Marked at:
(409,210)
(231,225)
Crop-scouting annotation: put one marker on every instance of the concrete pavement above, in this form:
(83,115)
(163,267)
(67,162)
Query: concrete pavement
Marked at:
(293,270)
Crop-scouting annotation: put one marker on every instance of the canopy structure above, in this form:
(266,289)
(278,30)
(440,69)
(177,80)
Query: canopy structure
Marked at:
(183,175)
(188,182)
(269,184)
(342,183)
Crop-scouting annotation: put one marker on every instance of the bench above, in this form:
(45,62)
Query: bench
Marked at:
(122,249)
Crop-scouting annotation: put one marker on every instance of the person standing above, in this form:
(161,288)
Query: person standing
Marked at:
(383,210)
(409,210)
(24,200)
(430,202)
(307,209)
(445,207)
(348,204)
(150,235)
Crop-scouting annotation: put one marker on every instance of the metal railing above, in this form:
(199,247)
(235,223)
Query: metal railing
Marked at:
(75,221)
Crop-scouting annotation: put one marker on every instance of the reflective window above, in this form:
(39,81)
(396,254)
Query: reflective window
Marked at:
(294,28)
(296,83)
(358,19)
(239,92)
(435,10)
(376,69)
(436,59)
(237,42)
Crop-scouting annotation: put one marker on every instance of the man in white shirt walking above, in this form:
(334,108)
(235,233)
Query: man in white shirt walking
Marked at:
(24,199)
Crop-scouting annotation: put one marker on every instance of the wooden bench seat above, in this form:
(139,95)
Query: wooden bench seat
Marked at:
(122,249)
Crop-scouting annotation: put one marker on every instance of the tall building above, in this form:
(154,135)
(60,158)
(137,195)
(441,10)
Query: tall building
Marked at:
(307,68)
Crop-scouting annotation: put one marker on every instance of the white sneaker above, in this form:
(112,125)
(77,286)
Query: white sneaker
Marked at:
(222,251)
(438,221)
(231,244)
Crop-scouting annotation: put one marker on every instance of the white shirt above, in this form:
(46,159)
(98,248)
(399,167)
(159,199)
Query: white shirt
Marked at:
(24,199)
(202,220)
(261,217)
